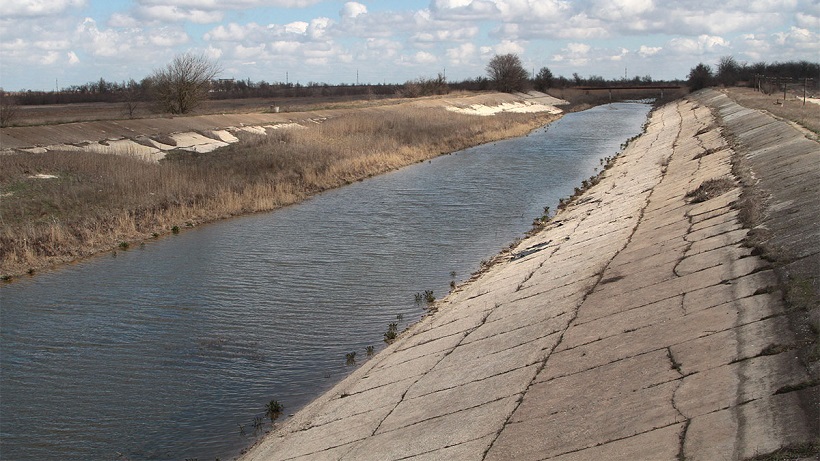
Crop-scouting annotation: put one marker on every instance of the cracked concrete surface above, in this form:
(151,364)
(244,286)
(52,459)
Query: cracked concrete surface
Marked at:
(636,325)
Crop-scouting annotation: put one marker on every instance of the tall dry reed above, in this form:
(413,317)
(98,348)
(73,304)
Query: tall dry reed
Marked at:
(98,200)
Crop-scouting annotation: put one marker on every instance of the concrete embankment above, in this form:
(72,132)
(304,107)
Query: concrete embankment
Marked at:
(637,325)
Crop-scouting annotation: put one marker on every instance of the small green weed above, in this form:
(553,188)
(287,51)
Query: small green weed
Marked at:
(391,333)
(273,409)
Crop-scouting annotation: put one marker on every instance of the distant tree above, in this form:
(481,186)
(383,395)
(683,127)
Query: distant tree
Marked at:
(543,79)
(8,109)
(131,95)
(183,84)
(700,77)
(507,73)
(728,71)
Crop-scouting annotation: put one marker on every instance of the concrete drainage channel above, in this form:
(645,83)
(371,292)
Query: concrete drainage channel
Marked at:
(642,326)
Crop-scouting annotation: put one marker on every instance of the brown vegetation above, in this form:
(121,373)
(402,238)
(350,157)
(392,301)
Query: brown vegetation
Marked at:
(98,201)
(808,115)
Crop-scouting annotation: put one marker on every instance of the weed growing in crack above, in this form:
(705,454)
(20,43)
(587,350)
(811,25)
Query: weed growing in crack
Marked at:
(370,350)
(350,358)
(710,189)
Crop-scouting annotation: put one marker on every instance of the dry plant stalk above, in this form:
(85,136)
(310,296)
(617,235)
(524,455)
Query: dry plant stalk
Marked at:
(98,201)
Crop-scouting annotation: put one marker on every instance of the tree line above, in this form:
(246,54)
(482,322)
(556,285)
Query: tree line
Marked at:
(188,79)
(729,72)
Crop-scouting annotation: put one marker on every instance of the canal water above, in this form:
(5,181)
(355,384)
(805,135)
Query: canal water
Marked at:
(170,351)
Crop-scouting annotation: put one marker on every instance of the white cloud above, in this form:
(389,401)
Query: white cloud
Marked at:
(447,35)
(35,8)
(647,51)
(317,29)
(503,47)
(72,58)
(233,32)
(807,21)
(621,10)
(213,53)
(620,55)
(465,10)
(49,58)
(123,20)
(799,41)
(463,54)
(700,45)
(352,9)
(298,27)
(376,48)
(168,38)
(576,54)
(231,4)
(423,57)
(169,13)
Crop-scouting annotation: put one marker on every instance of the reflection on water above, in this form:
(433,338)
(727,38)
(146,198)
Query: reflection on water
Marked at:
(170,351)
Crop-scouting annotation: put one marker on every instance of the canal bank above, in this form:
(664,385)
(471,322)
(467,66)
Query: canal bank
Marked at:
(641,323)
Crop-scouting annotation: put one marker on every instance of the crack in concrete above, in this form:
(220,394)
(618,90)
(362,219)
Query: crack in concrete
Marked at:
(677,367)
(404,394)
(577,309)
(617,439)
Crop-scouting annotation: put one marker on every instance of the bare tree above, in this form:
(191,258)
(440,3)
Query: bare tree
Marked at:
(728,71)
(8,109)
(183,84)
(131,94)
(507,73)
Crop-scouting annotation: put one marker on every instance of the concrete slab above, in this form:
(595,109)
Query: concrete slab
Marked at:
(473,394)
(661,312)
(755,428)
(657,445)
(729,290)
(473,449)
(585,426)
(452,373)
(435,433)
(629,344)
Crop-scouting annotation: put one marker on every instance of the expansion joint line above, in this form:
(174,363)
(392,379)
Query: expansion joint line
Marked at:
(404,394)
(588,292)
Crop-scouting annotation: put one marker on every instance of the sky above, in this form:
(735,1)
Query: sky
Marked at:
(50,44)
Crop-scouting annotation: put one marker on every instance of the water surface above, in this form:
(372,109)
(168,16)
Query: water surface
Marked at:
(171,350)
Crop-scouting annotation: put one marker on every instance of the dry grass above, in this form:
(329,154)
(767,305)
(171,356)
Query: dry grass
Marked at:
(808,115)
(99,200)
(710,189)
